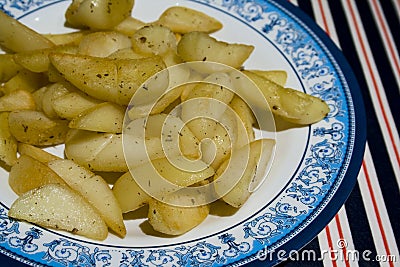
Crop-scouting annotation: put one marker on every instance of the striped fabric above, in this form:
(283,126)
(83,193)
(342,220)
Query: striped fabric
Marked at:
(366,231)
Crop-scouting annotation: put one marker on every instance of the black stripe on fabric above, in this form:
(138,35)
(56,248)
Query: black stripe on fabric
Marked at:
(381,59)
(306,6)
(359,227)
(392,18)
(383,167)
(358,221)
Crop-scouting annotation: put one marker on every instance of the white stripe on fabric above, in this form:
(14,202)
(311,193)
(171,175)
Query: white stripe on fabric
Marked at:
(347,238)
(324,238)
(323,17)
(396,4)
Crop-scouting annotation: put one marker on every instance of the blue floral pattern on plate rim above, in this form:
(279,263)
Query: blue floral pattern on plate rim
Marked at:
(305,205)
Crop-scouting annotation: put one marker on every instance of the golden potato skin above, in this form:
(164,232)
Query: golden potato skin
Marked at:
(289,104)
(8,143)
(35,128)
(174,220)
(114,80)
(129,194)
(199,46)
(59,207)
(94,189)
(105,117)
(18,38)
(29,173)
(183,20)
(98,14)
(36,152)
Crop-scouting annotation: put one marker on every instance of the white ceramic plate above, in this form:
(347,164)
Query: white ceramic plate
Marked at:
(313,172)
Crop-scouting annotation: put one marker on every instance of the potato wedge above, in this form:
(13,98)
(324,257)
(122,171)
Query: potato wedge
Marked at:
(256,156)
(216,86)
(107,79)
(96,151)
(129,26)
(289,104)
(94,189)
(153,40)
(156,108)
(129,194)
(183,20)
(138,150)
(175,220)
(277,76)
(104,117)
(36,153)
(8,143)
(53,75)
(51,94)
(207,102)
(106,152)
(162,177)
(203,111)
(126,53)
(216,142)
(160,91)
(175,137)
(103,44)
(245,118)
(25,80)
(199,46)
(59,207)
(72,104)
(35,128)
(38,60)
(187,88)
(28,173)
(17,100)
(8,67)
(101,14)
(38,97)
(69,38)
(17,37)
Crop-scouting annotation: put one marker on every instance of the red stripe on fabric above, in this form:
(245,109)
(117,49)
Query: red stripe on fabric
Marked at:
(321,10)
(376,210)
(341,237)
(386,34)
(329,238)
(381,106)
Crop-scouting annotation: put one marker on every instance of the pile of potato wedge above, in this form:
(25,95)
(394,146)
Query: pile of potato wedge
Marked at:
(76,89)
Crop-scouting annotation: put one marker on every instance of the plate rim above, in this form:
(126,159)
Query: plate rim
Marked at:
(346,185)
